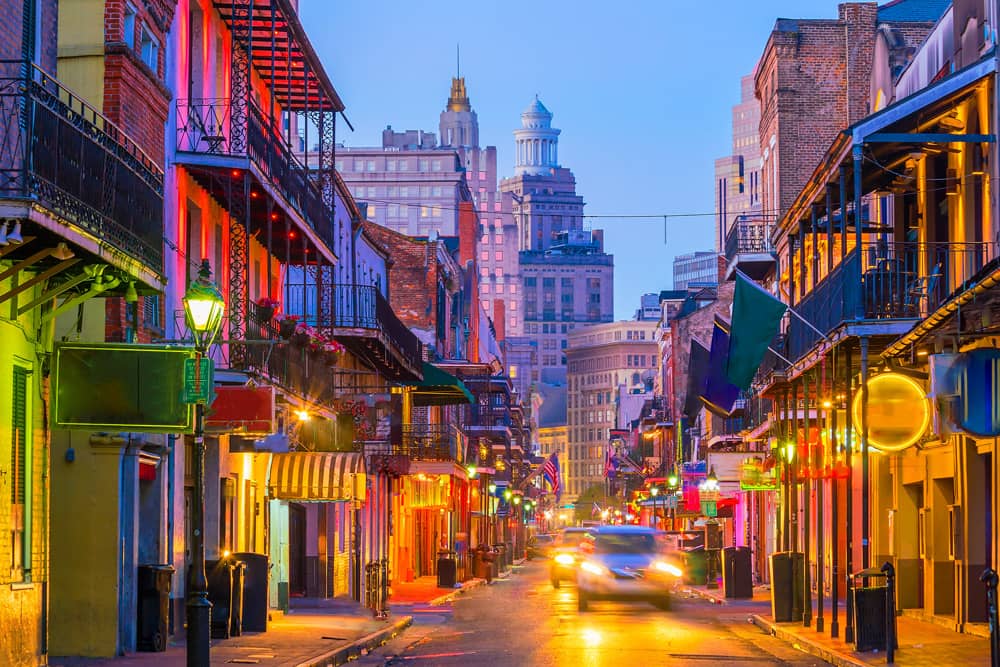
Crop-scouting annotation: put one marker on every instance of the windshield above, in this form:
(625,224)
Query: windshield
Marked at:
(573,539)
(612,543)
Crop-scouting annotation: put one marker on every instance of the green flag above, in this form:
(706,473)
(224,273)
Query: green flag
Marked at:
(756,316)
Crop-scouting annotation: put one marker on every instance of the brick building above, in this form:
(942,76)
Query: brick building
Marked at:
(813,80)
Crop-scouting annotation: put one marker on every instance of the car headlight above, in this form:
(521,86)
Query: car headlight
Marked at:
(594,568)
(669,568)
(564,559)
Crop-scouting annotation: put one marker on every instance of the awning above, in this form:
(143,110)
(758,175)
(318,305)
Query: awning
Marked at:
(440,388)
(317,476)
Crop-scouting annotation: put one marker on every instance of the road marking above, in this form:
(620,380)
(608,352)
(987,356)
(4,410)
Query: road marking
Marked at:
(726,658)
(454,654)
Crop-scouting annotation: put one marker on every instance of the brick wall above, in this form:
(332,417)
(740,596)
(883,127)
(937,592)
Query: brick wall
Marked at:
(12,32)
(412,277)
(813,81)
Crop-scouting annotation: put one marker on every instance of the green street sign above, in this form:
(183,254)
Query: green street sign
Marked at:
(198,389)
(709,508)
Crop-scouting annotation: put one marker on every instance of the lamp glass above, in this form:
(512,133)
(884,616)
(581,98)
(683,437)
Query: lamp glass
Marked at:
(204,307)
(654,491)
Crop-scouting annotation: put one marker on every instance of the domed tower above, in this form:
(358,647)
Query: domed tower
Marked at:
(537,141)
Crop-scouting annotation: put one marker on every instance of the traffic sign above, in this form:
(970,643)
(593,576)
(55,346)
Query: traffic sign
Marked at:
(198,386)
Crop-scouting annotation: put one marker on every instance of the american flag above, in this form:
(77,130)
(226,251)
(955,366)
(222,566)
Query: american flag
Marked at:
(550,471)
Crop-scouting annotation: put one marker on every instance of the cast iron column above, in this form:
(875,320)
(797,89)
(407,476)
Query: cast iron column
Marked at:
(199,609)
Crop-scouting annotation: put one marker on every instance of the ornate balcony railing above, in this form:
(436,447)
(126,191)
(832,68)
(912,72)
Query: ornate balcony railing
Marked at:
(748,236)
(886,281)
(431,442)
(60,152)
(205,126)
(355,307)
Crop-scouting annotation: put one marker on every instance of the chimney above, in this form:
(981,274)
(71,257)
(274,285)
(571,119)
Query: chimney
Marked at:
(468,230)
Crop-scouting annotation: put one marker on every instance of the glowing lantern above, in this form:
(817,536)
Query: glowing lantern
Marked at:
(898,412)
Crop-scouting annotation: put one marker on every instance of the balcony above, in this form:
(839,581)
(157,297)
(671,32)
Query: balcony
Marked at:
(364,322)
(217,147)
(883,283)
(749,249)
(288,366)
(59,153)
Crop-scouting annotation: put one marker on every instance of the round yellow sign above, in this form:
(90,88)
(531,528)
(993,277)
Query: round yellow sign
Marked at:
(898,412)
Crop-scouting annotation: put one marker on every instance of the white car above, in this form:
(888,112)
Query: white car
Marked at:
(626,563)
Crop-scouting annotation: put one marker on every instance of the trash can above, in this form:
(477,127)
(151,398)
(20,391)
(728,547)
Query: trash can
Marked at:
(737,576)
(220,594)
(500,557)
(236,615)
(254,591)
(446,569)
(154,606)
(695,566)
(870,609)
(786,586)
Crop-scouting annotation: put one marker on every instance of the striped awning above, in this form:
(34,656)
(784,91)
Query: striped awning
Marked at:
(320,476)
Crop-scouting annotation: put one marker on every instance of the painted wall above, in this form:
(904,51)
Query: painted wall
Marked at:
(81,49)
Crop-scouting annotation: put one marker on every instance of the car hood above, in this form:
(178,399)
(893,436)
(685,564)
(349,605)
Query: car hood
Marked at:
(624,561)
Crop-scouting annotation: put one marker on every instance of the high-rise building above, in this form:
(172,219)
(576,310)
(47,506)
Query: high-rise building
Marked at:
(567,279)
(417,182)
(602,358)
(737,176)
(697,269)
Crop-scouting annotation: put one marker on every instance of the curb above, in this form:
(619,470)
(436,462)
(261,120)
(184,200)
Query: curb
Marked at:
(448,597)
(359,646)
(806,645)
(706,596)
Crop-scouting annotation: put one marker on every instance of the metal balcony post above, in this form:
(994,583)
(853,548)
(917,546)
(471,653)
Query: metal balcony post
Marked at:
(859,307)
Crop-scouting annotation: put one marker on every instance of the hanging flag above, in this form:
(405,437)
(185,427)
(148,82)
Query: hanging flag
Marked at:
(718,393)
(609,464)
(550,471)
(698,357)
(756,316)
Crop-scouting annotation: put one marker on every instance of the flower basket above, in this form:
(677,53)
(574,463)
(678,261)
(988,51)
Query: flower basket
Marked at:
(299,339)
(331,358)
(265,313)
(286,327)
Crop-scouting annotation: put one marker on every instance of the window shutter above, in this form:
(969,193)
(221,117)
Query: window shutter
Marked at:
(19,432)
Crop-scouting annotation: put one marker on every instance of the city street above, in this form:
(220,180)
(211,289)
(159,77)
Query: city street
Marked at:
(522,620)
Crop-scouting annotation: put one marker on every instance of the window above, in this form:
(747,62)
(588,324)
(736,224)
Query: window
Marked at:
(151,312)
(393,211)
(496,206)
(482,175)
(486,305)
(498,238)
(404,191)
(498,255)
(484,255)
(393,191)
(436,166)
(513,321)
(425,211)
(370,165)
(404,165)
(499,288)
(485,239)
(424,165)
(390,165)
(128,27)
(513,289)
(359,165)
(436,190)
(483,271)
(513,305)
(20,477)
(484,288)
(425,191)
(149,50)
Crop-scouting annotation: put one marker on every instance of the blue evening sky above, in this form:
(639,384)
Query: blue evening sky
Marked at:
(641,90)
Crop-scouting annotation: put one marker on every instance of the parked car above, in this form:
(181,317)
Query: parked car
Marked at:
(565,556)
(540,546)
(626,563)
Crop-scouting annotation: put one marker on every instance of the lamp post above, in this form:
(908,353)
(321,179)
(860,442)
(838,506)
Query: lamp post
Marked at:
(654,491)
(203,308)
(673,482)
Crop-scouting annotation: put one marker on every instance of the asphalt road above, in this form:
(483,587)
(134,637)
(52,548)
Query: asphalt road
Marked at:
(524,621)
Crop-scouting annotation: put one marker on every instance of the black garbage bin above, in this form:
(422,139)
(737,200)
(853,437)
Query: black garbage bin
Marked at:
(446,569)
(236,614)
(154,606)
(220,594)
(737,576)
(254,591)
(786,586)
(870,609)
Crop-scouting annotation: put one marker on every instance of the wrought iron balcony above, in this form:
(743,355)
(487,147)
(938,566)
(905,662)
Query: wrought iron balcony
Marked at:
(61,153)
(362,319)
(886,281)
(431,442)
(208,127)
(748,247)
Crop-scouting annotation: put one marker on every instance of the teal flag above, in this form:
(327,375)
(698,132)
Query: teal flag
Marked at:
(756,316)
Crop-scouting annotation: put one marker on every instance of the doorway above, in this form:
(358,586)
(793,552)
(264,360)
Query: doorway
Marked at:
(296,550)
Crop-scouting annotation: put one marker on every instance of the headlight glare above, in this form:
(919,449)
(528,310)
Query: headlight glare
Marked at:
(564,559)
(594,568)
(669,568)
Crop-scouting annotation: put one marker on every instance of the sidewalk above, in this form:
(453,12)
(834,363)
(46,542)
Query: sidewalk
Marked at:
(921,642)
(424,590)
(314,633)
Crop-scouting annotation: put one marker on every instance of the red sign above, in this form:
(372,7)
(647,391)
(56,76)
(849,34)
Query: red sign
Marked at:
(243,410)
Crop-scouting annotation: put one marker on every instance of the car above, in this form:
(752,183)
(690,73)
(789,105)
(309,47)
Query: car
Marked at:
(626,563)
(540,546)
(565,555)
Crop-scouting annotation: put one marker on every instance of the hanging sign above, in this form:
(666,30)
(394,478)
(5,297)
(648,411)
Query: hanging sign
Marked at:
(898,412)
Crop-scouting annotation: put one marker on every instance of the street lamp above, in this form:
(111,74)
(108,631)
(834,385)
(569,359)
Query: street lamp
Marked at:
(203,309)
(654,491)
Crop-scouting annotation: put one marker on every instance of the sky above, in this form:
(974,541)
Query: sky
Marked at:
(641,89)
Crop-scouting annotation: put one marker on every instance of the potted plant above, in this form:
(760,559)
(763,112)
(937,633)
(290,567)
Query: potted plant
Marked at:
(303,334)
(266,308)
(331,352)
(287,326)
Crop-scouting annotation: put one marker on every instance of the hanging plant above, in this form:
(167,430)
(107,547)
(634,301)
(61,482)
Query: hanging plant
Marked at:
(287,326)
(266,308)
